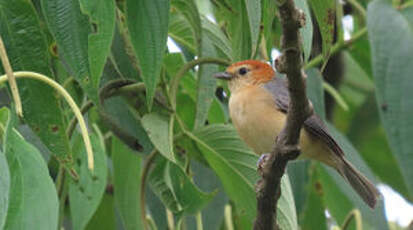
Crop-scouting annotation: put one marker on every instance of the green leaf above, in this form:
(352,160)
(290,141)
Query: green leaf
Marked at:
(176,190)
(235,165)
(206,84)
(336,188)
(186,109)
(314,213)
(33,202)
(268,16)
(4,188)
(315,91)
(233,14)
(27,50)
(125,117)
(102,18)
(121,56)
(105,216)
(298,172)
(190,12)
(307,30)
(325,14)
(126,177)
(71,29)
(254,19)
(392,70)
(148,28)
(367,135)
(180,31)
(217,113)
(207,180)
(158,129)
(86,193)
(217,37)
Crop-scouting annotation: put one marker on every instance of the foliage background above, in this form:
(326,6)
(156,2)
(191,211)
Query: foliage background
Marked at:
(164,146)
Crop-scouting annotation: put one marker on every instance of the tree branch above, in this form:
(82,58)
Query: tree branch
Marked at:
(286,146)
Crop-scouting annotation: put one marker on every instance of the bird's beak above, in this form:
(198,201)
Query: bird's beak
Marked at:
(224,76)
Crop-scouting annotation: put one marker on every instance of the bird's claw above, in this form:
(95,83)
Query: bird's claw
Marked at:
(261,161)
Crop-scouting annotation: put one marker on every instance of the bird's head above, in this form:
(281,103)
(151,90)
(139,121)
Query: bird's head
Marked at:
(245,73)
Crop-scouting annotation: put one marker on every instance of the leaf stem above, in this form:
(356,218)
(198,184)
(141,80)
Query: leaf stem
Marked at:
(228,217)
(170,219)
(336,95)
(337,47)
(11,78)
(199,225)
(62,200)
(69,100)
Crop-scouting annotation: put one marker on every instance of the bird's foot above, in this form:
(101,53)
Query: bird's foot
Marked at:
(261,162)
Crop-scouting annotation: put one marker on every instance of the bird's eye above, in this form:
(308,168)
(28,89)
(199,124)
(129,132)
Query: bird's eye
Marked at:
(242,71)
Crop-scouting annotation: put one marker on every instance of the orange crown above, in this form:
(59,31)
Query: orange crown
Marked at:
(261,71)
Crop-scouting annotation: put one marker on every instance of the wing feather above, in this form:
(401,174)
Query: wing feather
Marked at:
(314,125)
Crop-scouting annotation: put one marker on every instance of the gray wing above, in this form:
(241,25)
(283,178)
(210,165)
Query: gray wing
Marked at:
(314,125)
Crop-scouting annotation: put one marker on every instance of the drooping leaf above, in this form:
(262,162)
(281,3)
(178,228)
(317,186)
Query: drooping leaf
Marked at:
(121,55)
(126,177)
(148,27)
(325,14)
(158,129)
(307,30)
(235,165)
(102,17)
(392,70)
(71,29)
(206,84)
(190,12)
(217,37)
(235,16)
(27,50)
(254,19)
(86,193)
(176,190)
(180,31)
(30,207)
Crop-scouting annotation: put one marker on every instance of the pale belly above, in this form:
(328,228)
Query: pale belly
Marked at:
(258,123)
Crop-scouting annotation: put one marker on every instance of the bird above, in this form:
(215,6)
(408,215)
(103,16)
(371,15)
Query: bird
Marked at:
(258,107)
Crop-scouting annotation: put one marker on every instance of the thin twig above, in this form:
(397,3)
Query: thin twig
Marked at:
(113,125)
(133,87)
(11,79)
(286,147)
(336,48)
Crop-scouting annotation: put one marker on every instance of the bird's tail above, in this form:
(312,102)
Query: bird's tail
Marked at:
(366,190)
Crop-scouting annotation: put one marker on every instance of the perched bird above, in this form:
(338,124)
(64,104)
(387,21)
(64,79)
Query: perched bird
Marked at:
(258,105)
